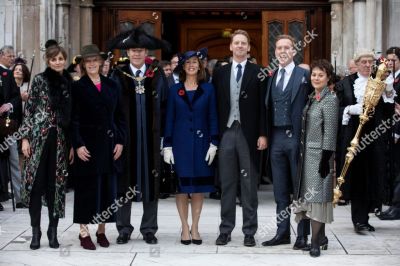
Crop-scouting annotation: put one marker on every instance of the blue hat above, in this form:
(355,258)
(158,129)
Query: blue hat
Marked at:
(201,54)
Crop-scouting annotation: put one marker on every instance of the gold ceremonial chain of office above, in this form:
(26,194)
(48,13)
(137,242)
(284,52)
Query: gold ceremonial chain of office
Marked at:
(139,89)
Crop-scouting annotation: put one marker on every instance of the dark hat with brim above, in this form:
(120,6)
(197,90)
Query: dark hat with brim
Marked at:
(137,38)
(92,50)
(182,58)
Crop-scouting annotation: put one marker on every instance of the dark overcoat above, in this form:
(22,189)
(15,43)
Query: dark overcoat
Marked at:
(156,89)
(98,124)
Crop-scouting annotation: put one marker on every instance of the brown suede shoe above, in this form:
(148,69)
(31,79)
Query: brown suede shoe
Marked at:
(102,240)
(86,242)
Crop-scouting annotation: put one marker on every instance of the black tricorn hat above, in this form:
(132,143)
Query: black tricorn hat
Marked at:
(137,38)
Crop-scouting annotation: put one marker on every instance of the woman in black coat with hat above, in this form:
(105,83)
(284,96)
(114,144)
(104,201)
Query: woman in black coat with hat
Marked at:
(98,137)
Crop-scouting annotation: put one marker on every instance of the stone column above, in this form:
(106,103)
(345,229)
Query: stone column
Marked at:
(379,28)
(370,25)
(360,30)
(86,22)
(75,28)
(336,38)
(62,25)
(348,31)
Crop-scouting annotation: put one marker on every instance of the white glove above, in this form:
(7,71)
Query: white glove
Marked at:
(168,155)
(355,109)
(212,151)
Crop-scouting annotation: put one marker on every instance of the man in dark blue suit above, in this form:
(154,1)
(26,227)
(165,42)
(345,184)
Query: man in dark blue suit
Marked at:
(287,93)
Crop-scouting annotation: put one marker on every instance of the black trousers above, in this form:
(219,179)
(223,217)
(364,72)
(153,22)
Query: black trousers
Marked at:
(360,210)
(44,183)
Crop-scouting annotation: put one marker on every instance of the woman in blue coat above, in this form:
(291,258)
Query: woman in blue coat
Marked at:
(190,139)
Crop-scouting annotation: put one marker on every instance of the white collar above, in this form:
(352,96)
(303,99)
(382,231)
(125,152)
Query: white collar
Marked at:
(3,66)
(142,69)
(235,64)
(288,69)
(359,88)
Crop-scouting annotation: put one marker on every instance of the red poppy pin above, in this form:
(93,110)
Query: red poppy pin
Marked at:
(396,80)
(149,73)
(4,74)
(270,73)
(181,92)
(317,97)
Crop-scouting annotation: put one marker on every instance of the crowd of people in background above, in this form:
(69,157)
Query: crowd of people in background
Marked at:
(112,129)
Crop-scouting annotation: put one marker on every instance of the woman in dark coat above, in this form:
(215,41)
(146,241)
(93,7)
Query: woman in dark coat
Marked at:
(44,143)
(190,139)
(98,136)
(314,193)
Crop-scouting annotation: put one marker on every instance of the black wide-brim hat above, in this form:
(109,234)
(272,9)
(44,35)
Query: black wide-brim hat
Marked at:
(137,38)
(201,54)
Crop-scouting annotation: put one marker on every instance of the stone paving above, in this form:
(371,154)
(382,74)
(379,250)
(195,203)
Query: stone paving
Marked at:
(345,246)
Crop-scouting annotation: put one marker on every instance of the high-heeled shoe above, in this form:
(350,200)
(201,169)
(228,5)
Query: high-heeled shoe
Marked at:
(102,240)
(36,235)
(185,242)
(315,251)
(323,245)
(52,235)
(86,242)
(196,241)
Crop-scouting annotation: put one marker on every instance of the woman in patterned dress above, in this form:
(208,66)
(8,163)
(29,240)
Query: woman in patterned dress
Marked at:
(44,143)
(314,193)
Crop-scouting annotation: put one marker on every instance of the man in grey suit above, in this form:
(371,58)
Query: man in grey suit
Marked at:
(287,93)
(241,115)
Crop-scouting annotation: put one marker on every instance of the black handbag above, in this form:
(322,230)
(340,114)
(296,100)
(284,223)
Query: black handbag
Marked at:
(169,181)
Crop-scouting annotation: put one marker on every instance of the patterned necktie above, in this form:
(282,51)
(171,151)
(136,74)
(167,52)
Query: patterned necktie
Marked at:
(279,86)
(239,72)
(138,73)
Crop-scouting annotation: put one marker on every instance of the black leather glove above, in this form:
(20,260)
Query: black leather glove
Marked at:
(324,167)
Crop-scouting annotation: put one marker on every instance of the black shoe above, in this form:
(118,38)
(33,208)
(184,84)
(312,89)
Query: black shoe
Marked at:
(185,242)
(1,207)
(322,243)
(123,238)
(20,205)
(163,196)
(249,241)
(36,235)
(277,240)
(215,195)
(315,252)
(359,227)
(394,214)
(301,243)
(223,239)
(52,235)
(150,238)
(196,241)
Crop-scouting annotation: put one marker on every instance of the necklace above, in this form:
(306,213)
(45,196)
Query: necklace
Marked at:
(96,80)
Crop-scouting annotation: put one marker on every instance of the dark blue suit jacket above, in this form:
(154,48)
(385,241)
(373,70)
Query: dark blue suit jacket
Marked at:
(301,88)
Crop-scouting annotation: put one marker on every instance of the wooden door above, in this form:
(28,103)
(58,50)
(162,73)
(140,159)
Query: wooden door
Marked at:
(127,19)
(293,23)
(214,34)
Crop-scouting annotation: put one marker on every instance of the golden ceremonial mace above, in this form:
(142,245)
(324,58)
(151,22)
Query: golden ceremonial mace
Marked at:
(373,93)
